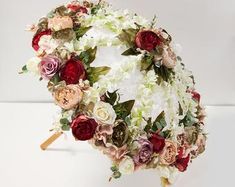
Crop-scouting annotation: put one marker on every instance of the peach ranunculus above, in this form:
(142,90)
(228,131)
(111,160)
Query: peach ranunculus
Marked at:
(60,22)
(68,96)
(168,154)
(169,58)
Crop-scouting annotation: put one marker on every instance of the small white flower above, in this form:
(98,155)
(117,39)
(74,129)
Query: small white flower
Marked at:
(104,113)
(47,44)
(127,166)
(32,65)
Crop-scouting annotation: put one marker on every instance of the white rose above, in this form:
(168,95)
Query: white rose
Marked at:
(104,113)
(127,166)
(32,65)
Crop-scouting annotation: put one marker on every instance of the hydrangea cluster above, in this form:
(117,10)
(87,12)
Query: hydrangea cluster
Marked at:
(121,85)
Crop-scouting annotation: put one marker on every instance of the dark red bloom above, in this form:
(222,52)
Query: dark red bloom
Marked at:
(77,8)
(158,143)
(73,71)
(196,96)
(83,128)
(182,163)
(37,37)
(147,40)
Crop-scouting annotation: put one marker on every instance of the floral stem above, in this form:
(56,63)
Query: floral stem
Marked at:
(164,182)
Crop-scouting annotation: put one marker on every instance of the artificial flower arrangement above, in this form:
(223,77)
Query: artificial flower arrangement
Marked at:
(121,86)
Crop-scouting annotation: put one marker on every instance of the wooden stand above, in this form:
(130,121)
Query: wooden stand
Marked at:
(164,182)
(50,140)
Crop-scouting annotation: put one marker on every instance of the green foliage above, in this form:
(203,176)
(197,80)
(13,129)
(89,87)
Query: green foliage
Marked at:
(94,73)
(163,72)
(147,62)
(53,82)
(65,124)
(124,109)
(23,70)
(189,119)
(157,125)
(95,9)
(112,97)
(130,51)
(88,56)
(116,173)
(128,37)
(80,31)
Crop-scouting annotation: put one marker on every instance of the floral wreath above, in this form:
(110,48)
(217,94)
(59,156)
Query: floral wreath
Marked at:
(161,127)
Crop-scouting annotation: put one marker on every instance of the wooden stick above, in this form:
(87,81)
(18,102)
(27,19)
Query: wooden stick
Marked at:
(50,140)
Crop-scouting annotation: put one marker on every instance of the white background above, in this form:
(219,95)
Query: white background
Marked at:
(204,28)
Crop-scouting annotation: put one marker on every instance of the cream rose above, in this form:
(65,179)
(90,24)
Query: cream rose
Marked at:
(168,154)
(32,65)
(68,96)
(126,166)
(60,22)
(104,113)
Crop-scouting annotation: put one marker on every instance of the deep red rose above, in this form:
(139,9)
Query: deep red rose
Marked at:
(182,163)
(73,71)
(37,37)
(196,96)
(77,8)
(158,143)
(147,40)
(83,128)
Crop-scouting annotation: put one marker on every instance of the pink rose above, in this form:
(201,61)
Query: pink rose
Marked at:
(168,155)
(68,96)
(48,66)
(60,22)
(169,58)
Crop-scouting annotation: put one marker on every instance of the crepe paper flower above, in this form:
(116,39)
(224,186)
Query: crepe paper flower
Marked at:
(127,166)
(60,22)
(168,155)
(37,37)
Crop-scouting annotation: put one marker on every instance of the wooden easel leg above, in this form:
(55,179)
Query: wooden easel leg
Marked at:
(50,140)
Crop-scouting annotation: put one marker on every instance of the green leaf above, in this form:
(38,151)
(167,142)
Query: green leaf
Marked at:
(130,51)
(80,31)
(124,109)
(95,9)
(95,72)
(148,126)
(146,62)
(88,56)
(128,36)
(189,119)
(160,122)
(23,69)
(55,79)
(111,97)
(163,72)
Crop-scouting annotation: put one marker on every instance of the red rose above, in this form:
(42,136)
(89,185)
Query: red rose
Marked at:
(158,143)
(77,8)
(147,40)
(73,71)
(182,163)
(196,96)
(37,37)
(83,128)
